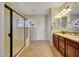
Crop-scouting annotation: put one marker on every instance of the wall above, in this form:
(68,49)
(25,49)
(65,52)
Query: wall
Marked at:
(38,32)
(6,32)
(48,27)
(1,28)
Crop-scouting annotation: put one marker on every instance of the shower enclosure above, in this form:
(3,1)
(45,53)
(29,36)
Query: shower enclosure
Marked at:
(14,32)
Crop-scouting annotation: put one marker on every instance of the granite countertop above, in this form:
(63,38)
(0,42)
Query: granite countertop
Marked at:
(69,36)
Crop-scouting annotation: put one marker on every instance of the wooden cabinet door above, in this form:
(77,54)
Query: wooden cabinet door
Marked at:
(55,41)
(61,42)
(77,52)
(70,51)
(62,45)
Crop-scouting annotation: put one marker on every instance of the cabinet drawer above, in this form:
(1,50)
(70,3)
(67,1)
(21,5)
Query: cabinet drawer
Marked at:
(55,40)
(56,43)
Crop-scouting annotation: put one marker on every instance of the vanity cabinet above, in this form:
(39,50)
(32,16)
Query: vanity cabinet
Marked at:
(62,45)
(65,46)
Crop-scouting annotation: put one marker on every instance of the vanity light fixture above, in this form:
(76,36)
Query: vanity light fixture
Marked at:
(63,12)
(68,10)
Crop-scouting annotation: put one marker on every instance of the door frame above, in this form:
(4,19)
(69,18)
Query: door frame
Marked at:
(11,29)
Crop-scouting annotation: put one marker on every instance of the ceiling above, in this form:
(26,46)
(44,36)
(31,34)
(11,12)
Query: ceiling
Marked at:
(34,8)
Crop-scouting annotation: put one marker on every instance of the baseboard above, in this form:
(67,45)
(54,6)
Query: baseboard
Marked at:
(39,40)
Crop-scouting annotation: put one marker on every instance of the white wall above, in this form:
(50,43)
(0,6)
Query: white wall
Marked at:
(48,25)
(1,28)
(38,32)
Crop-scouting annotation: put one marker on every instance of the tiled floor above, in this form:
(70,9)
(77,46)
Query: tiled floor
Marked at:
(39,49)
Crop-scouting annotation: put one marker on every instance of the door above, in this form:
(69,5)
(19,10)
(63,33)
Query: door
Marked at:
(40,28)
(18,33)
(7,32)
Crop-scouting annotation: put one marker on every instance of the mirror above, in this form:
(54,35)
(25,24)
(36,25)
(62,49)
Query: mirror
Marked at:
(63,22)
(74,19)
(56,24)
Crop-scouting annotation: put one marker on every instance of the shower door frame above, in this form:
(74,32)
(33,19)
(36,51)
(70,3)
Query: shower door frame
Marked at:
(11,30)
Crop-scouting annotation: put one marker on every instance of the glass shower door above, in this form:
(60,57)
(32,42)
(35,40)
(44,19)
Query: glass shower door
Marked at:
(14,40)
(18,33)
